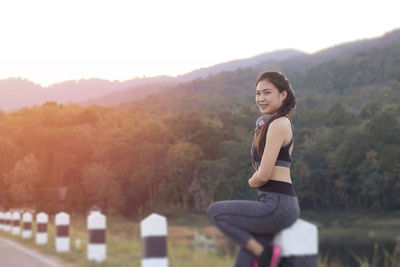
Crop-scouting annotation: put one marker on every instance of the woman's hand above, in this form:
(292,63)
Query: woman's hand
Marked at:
(251,182)
(254,181)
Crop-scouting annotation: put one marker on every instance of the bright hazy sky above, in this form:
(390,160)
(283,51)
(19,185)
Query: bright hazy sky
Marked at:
(48,41)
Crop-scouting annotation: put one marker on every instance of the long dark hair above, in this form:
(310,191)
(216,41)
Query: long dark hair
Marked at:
(279,80)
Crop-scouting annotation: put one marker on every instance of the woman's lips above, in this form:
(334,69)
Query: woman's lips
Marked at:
(263,106)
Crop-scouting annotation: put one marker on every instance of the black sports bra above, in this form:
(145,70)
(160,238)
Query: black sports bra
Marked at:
(283,159)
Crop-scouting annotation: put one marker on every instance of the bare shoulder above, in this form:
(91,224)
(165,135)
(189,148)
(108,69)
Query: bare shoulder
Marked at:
(281,123)
(281,129)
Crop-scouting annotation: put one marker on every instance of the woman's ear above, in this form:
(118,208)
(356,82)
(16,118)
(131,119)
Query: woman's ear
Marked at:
(283,95)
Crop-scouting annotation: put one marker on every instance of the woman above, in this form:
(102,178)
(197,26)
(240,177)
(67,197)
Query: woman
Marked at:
(252,224)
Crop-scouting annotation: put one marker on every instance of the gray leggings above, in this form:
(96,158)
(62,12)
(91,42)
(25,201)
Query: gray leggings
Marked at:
(262,219)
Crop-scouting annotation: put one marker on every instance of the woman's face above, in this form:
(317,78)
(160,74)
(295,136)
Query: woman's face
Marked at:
(268,97)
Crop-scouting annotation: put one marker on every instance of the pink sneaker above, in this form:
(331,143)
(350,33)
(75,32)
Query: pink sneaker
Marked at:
(276,253)
(255,262)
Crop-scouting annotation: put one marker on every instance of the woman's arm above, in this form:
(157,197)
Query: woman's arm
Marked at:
(275,138)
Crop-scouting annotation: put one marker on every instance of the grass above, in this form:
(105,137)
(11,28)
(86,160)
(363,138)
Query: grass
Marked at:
(380,258)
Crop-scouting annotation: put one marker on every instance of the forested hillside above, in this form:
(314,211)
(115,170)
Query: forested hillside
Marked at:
(189,145)
(16,93)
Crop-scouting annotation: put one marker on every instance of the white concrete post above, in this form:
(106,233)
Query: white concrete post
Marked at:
(2,220)
(16,223)
(96,223)
(62,229)
(7,220)
(299,244)
(27,225)
(154,241)
(42,219)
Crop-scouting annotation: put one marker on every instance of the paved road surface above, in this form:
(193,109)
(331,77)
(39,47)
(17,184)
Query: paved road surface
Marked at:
(15,255)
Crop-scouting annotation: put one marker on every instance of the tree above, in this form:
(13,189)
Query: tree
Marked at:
(180,167)
(23,178)
(101,188)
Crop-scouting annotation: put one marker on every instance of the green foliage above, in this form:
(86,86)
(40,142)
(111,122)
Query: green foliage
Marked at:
(380,257)
(363,68)
(101,188)
(23,179)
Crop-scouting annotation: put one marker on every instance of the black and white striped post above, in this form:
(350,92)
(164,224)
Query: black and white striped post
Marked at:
(154,241)
(96,223)
(62,229)
(7,221)
(299,244)
(42,219)
(2,220)
(26,225)
(16,223)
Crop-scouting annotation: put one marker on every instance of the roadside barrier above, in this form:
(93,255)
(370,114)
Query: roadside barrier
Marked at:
(26,225)
(7,219)
(153,230)
(16,223)
(62,232)
(299,245)
(96,225)
(42,219)
(2,221)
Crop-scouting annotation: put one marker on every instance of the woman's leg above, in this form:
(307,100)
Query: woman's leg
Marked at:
(244,221)
(240,219)
(254,246)
(245,258)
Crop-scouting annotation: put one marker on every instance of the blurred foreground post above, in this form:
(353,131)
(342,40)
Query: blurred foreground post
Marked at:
(153,231)
(96,224)
(27,225)
(16,223)
(299,244)
(62,230)
(2,220)
(7,220)
(42,219)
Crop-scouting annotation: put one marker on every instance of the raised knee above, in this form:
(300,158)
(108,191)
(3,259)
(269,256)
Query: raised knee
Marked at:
(212,211)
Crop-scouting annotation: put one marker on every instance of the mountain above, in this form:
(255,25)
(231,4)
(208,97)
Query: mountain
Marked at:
(321,78)
(279,55)
(82,90)
(294,63)
(16,93)
(302,63)
(131,93)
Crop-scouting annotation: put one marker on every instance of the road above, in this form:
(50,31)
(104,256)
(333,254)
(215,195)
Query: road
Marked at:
(15,255)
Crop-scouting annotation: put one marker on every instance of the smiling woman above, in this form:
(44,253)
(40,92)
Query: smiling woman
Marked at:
(253,224)
(268,98)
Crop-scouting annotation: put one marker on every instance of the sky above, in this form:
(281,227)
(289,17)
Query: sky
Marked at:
(49,41)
